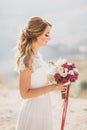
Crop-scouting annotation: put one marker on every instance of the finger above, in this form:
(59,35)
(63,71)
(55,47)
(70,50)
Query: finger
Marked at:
(64,89)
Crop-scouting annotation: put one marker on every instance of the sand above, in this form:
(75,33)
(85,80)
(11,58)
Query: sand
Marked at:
(10,105)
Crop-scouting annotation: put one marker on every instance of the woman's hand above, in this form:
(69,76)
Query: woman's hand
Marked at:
(59,87)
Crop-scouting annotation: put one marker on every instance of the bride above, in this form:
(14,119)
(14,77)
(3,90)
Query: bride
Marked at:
(39,109)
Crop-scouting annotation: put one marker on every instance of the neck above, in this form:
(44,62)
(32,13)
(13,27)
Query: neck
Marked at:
(35,47)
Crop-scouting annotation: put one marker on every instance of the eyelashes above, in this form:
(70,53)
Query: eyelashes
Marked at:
(46,35)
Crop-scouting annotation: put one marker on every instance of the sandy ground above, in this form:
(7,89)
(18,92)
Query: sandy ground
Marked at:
(10,104)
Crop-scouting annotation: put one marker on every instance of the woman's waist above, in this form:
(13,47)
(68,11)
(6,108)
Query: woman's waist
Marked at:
(38,98)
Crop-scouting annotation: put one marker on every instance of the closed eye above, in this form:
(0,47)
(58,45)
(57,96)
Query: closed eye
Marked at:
(46,35)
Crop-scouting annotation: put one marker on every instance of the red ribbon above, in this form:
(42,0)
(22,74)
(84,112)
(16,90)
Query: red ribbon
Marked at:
(65,108)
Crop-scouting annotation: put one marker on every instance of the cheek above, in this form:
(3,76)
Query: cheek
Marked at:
(42,39)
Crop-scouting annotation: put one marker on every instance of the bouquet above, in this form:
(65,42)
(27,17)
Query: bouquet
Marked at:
(63,72)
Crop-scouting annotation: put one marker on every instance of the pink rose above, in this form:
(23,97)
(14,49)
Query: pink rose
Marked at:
(69,67)
(76,75)
(72,77)
(64,80)
(57,76)
(65,65)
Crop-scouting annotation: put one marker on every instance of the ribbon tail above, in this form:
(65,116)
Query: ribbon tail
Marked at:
(65,108)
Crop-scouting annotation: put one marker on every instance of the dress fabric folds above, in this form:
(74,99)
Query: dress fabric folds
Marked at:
(39,113)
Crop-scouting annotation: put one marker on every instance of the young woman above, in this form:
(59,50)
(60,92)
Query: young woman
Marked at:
(37,112)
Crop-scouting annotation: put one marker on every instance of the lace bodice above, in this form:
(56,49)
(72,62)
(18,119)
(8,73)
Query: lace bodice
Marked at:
(39,77)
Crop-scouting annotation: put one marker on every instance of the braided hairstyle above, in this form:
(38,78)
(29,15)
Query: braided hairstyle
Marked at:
(35,27)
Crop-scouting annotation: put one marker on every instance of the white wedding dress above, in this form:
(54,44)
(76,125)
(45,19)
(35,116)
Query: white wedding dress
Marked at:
(42,112)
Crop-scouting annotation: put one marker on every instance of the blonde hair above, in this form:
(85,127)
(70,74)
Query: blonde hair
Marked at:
(35,27)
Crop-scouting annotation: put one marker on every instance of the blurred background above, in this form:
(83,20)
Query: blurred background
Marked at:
(68,40)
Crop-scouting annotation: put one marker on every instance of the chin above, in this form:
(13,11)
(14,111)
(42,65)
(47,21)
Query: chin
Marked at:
(45,44)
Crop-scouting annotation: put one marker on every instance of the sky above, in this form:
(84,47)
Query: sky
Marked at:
(67,16)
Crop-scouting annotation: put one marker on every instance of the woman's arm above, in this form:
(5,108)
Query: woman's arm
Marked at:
(25,86)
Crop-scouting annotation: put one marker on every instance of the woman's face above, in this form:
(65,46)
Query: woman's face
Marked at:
(45,37)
